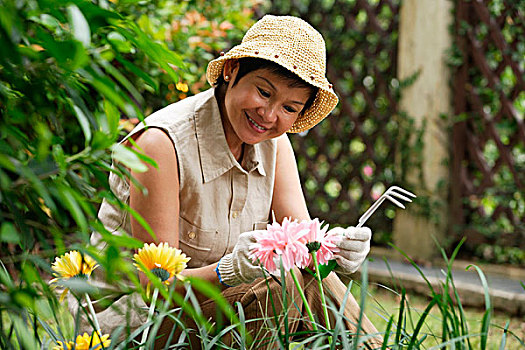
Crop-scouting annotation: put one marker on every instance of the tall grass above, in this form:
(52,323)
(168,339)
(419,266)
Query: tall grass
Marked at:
(442,323)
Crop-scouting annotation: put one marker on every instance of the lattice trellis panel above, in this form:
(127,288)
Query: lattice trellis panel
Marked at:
(488,203)
(348,159)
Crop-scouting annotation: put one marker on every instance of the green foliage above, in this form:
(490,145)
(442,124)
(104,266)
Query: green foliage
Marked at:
(494,162)
(71,74)
(443,323)
(197,30)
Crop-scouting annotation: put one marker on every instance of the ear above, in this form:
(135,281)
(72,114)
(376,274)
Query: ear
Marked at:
(230,69)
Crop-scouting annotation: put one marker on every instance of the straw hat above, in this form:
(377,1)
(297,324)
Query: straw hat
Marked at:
(294,44)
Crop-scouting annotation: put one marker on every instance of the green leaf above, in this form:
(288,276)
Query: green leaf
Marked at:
(24,333)
(421,321)
(96,15)
(49,22)
(122,80)
(165,58)
(119,42)
(79,24)
(112,117)
(9,234)
(485,322)
(84,123)
(213,293)
(78,285)
(141,221)
(70,54)
(107,88)
(142,157)
(6,163)
(101,141)
(503,342)
(325,270)
(68,200)
(5,277)
(138,72)
(30,273)
(59,157)
(129,158)
(37,184)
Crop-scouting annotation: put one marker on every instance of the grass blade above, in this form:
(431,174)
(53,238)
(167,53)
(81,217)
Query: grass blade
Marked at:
(400,318)
(242,321)
(387,332)
(364,288)
(421,321)
(485,324)
(504,336)
(413,263)
(276,318)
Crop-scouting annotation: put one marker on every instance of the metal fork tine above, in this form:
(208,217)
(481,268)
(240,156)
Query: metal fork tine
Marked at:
(395,201)
(381,199)
(399,196)
(403,190)
(389,194)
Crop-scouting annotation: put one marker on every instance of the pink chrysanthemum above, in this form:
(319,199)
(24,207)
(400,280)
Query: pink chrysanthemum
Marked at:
(326,240)
(265,250)
(285,241)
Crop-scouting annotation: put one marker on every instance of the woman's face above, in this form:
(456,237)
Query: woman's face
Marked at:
(261,105)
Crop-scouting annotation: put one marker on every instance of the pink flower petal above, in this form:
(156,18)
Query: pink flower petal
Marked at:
(288,242)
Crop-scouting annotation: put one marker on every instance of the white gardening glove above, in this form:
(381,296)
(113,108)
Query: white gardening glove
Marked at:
(353,248)
(237,267)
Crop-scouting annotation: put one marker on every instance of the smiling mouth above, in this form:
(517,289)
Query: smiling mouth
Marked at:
(254,123)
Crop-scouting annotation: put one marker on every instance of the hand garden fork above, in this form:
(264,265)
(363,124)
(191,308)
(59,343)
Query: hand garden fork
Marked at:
(390,193)
(393,191)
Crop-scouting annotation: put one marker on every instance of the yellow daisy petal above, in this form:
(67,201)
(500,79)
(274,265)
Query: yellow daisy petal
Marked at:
(85,342)
(73,264)
(162,260)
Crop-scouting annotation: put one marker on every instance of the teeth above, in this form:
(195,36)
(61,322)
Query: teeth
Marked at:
(257,125)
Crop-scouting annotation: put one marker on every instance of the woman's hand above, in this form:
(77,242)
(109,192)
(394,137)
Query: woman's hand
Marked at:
(237,267)
(353,248)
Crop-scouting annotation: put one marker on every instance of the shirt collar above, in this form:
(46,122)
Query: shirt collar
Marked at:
(215,155)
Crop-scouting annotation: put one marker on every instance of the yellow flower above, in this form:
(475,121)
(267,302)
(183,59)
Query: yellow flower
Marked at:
(182,86)
(85,342)
(163,261)
(72,265)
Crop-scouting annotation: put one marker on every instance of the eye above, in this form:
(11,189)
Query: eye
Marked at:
(263,93)
(290,109)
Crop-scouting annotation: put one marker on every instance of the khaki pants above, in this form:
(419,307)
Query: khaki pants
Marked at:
(256,304)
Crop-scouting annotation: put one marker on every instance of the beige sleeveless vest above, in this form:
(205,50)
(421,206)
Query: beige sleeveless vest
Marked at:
(219,198)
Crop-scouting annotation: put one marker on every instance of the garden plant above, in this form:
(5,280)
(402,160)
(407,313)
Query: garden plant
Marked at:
(74,76)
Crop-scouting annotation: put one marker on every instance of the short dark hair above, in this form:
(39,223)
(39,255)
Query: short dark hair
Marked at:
(250,64)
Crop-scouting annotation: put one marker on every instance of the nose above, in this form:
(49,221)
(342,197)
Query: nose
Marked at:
(268,113)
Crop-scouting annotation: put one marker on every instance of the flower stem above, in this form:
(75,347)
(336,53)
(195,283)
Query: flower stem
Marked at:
(303,297)
(93,314)
(321,291)
(150,317)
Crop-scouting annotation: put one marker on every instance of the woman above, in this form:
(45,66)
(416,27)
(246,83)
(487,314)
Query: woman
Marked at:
(225,162)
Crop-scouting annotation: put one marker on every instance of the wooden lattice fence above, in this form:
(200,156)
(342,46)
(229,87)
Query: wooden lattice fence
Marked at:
(488,164)
(348,159)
